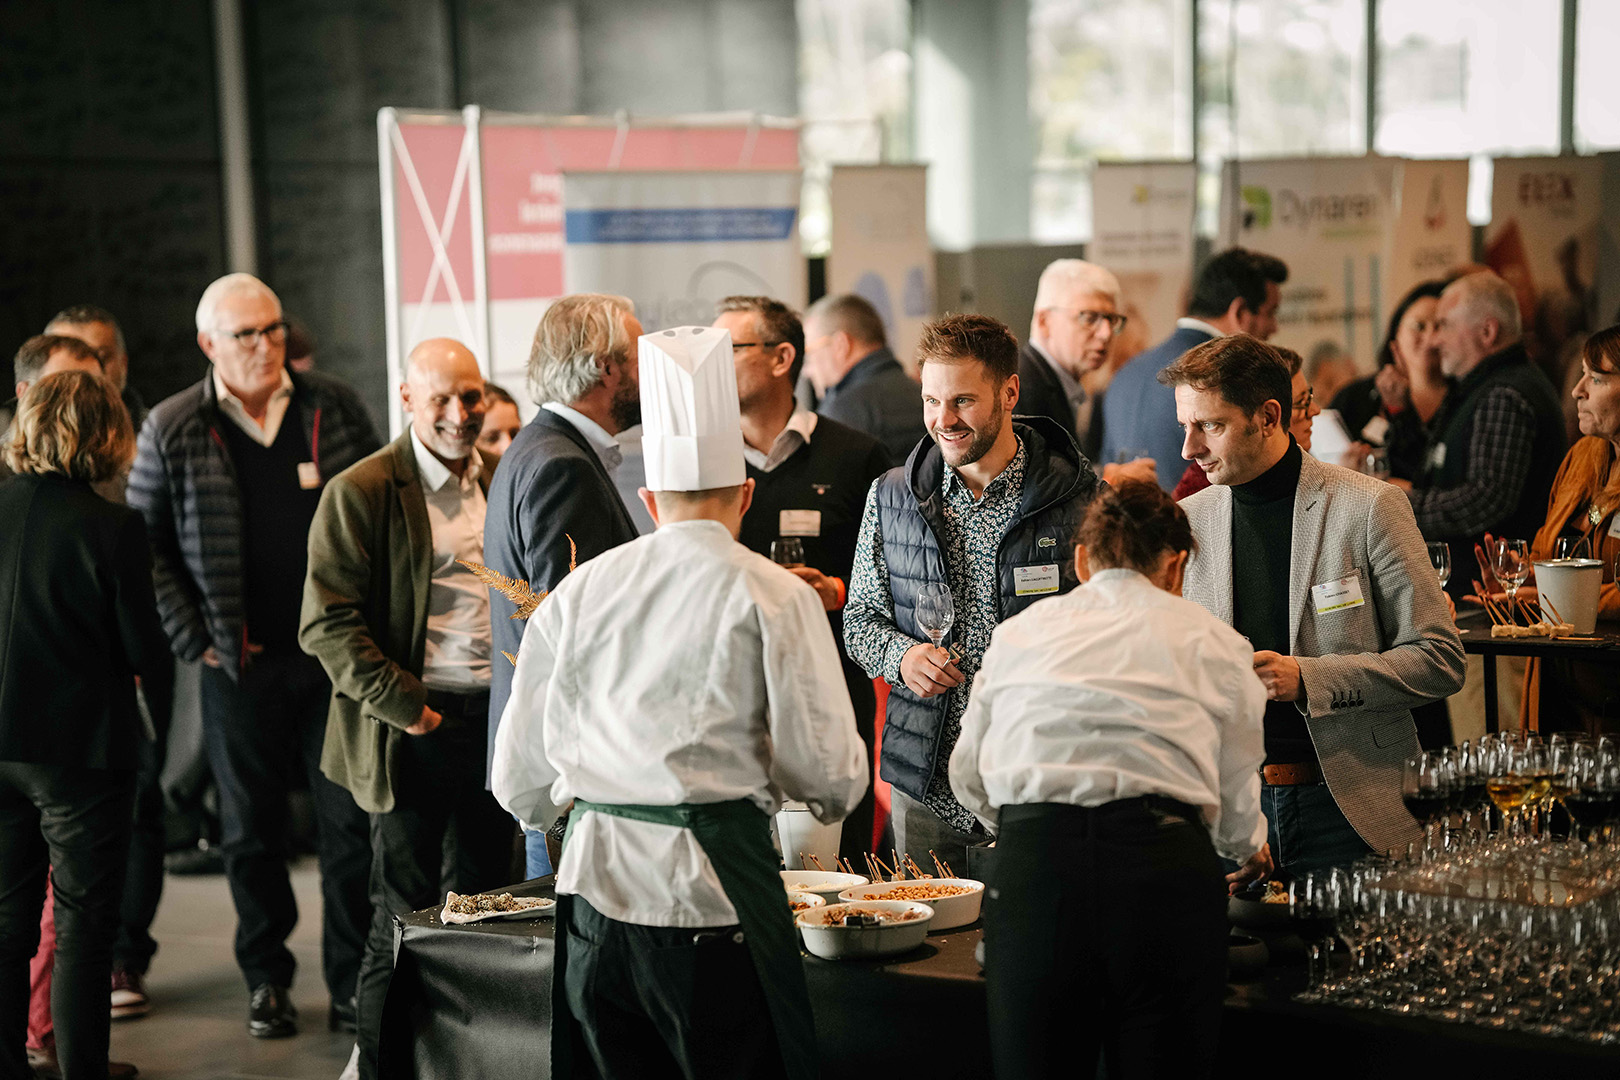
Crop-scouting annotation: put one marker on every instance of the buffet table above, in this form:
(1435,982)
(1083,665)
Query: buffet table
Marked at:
(1475,630)
(474,1002)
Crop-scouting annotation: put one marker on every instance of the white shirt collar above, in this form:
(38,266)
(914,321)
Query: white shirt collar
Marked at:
(1071,385)
(800,426)
(1187,322)
(436,474)
(606,446)
(224,393)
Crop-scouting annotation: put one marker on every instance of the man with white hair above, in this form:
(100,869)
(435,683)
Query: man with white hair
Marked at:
(552,501)
(227,475)
(1076,319)
(1498,438)
(402,627)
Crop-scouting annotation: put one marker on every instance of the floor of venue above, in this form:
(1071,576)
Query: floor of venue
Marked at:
(197,1029)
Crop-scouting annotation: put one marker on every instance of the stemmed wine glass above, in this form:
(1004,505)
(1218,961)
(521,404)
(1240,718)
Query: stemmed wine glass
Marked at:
(935,611)
(1440,559)
(1510,561)
(1426,791)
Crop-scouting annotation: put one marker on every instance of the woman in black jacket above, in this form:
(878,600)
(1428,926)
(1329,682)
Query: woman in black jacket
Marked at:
(78,625)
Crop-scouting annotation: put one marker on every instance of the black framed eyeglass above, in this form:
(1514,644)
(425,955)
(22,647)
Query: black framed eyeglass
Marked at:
(276,332)
(1088,319)
(736,345)
(1304,403)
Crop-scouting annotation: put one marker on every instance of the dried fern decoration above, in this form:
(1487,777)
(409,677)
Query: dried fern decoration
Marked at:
(522,596)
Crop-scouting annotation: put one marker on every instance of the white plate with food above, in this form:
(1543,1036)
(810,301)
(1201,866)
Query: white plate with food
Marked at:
(824,883)
(872,928)
(482,907)
(804,901)
(955,900)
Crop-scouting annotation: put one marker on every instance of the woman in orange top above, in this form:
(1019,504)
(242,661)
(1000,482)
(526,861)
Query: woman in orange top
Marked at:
(1576,695)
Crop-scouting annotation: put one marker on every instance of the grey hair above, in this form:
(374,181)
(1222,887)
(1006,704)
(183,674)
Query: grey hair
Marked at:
(1483,295)
(1065,276)
(229,285)
(574,335)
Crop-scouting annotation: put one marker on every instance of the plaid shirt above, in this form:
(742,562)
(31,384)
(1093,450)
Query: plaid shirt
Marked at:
(1499,455)
(974,529)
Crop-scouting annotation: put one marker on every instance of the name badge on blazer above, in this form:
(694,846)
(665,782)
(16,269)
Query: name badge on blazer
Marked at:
(1437,456)
(799,523)
(1035,580)
(1337,595)
(1614,525)
(309,475)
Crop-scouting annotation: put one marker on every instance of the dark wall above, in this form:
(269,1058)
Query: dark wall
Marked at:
(109,145)
(110,174)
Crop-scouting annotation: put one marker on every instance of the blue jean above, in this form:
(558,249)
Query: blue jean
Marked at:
(536,859)
(1307,830)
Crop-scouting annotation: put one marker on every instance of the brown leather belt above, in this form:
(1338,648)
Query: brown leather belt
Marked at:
(1306,772)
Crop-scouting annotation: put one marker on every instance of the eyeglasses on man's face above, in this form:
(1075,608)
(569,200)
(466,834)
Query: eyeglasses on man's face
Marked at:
(1088,320)
(739,346)
(275,333)
(1302,404)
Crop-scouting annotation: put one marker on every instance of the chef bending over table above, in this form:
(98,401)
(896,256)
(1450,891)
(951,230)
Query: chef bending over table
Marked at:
(676,689)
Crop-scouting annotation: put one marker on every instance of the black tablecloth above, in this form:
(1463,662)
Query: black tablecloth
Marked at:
(474,1002)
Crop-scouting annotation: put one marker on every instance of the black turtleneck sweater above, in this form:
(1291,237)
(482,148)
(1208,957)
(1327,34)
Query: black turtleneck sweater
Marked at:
(1262,554)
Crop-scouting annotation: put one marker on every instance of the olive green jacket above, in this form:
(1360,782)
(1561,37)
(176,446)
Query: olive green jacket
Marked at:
(365,614)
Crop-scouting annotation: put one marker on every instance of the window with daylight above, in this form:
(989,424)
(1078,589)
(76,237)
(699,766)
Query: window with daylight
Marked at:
(1597,77)
(854,96)
(1108,80)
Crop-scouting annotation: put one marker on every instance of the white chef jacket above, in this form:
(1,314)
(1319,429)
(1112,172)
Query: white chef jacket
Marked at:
(1116,690)
(678,668)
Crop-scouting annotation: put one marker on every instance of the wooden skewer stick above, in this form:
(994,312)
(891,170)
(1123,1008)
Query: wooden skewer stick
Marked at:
(1547,605)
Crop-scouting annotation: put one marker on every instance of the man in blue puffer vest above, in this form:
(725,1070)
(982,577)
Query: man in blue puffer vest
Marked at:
(988,505)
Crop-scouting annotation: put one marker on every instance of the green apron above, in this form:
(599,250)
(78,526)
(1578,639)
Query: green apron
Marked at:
(736,837)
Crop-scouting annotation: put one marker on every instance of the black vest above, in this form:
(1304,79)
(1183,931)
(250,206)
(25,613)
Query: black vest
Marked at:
(1058,487)
(276,514)
(1453,428)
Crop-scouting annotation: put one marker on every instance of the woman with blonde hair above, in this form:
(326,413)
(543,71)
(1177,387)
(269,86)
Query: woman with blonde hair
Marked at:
(78,624)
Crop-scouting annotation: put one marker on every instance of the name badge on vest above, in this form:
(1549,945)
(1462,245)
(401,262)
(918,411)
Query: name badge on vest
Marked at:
(1035,580)
(799,523)
(309,475)
(1614,525)
(1337,595)
(1437,456)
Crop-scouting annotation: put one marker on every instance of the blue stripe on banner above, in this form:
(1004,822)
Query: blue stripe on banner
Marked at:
(679,225)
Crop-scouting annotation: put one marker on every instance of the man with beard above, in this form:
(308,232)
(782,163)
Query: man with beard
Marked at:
(986,507)
(553,500)
(402,628)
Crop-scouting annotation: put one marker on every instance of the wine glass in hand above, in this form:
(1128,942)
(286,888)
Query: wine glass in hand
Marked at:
(1440,559)
(788,552)
(935,611)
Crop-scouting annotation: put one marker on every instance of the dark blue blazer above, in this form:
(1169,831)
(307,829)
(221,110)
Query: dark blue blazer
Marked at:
(878,397)
(1140,413)
(549,487)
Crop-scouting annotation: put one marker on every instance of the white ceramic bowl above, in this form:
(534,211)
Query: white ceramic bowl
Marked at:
(949,911)
(809,898)
(824,883)
(848,942)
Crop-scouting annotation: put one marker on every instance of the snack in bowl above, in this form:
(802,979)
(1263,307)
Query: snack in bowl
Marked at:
(481,906)
(824,883)
(868,929)
(803,901)
(955,901)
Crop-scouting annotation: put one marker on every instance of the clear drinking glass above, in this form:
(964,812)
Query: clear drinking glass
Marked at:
(788,552)
(1377,463)
(1510,562)
(1440,559)
(935,611)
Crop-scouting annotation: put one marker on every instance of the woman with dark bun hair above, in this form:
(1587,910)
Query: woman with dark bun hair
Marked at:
(1112,743)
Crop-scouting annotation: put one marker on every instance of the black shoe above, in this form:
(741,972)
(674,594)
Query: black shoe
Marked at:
(341,1016)
(270,1013)
(201,859)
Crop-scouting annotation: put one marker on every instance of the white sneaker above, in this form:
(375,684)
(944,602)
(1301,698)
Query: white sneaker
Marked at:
(351,1071)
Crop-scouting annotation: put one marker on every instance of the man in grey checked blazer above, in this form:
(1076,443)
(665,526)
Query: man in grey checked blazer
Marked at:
(1332,583)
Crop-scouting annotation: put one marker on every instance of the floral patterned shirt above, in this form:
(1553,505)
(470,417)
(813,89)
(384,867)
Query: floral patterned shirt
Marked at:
(974,529)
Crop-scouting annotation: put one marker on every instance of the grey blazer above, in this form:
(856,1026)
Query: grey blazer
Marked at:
(1363,667)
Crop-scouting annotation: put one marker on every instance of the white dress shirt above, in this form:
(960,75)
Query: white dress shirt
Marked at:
(1116,690)
(231,405)
(606,446)
(457,656)
(678,668)
(1187,322)
(800,426)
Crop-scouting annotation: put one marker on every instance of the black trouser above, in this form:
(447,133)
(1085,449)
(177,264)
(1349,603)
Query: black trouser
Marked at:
(444,825)
(74,823)
(259,734)
(1105,933)
(856,838)
(143,881)
(667,1001)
